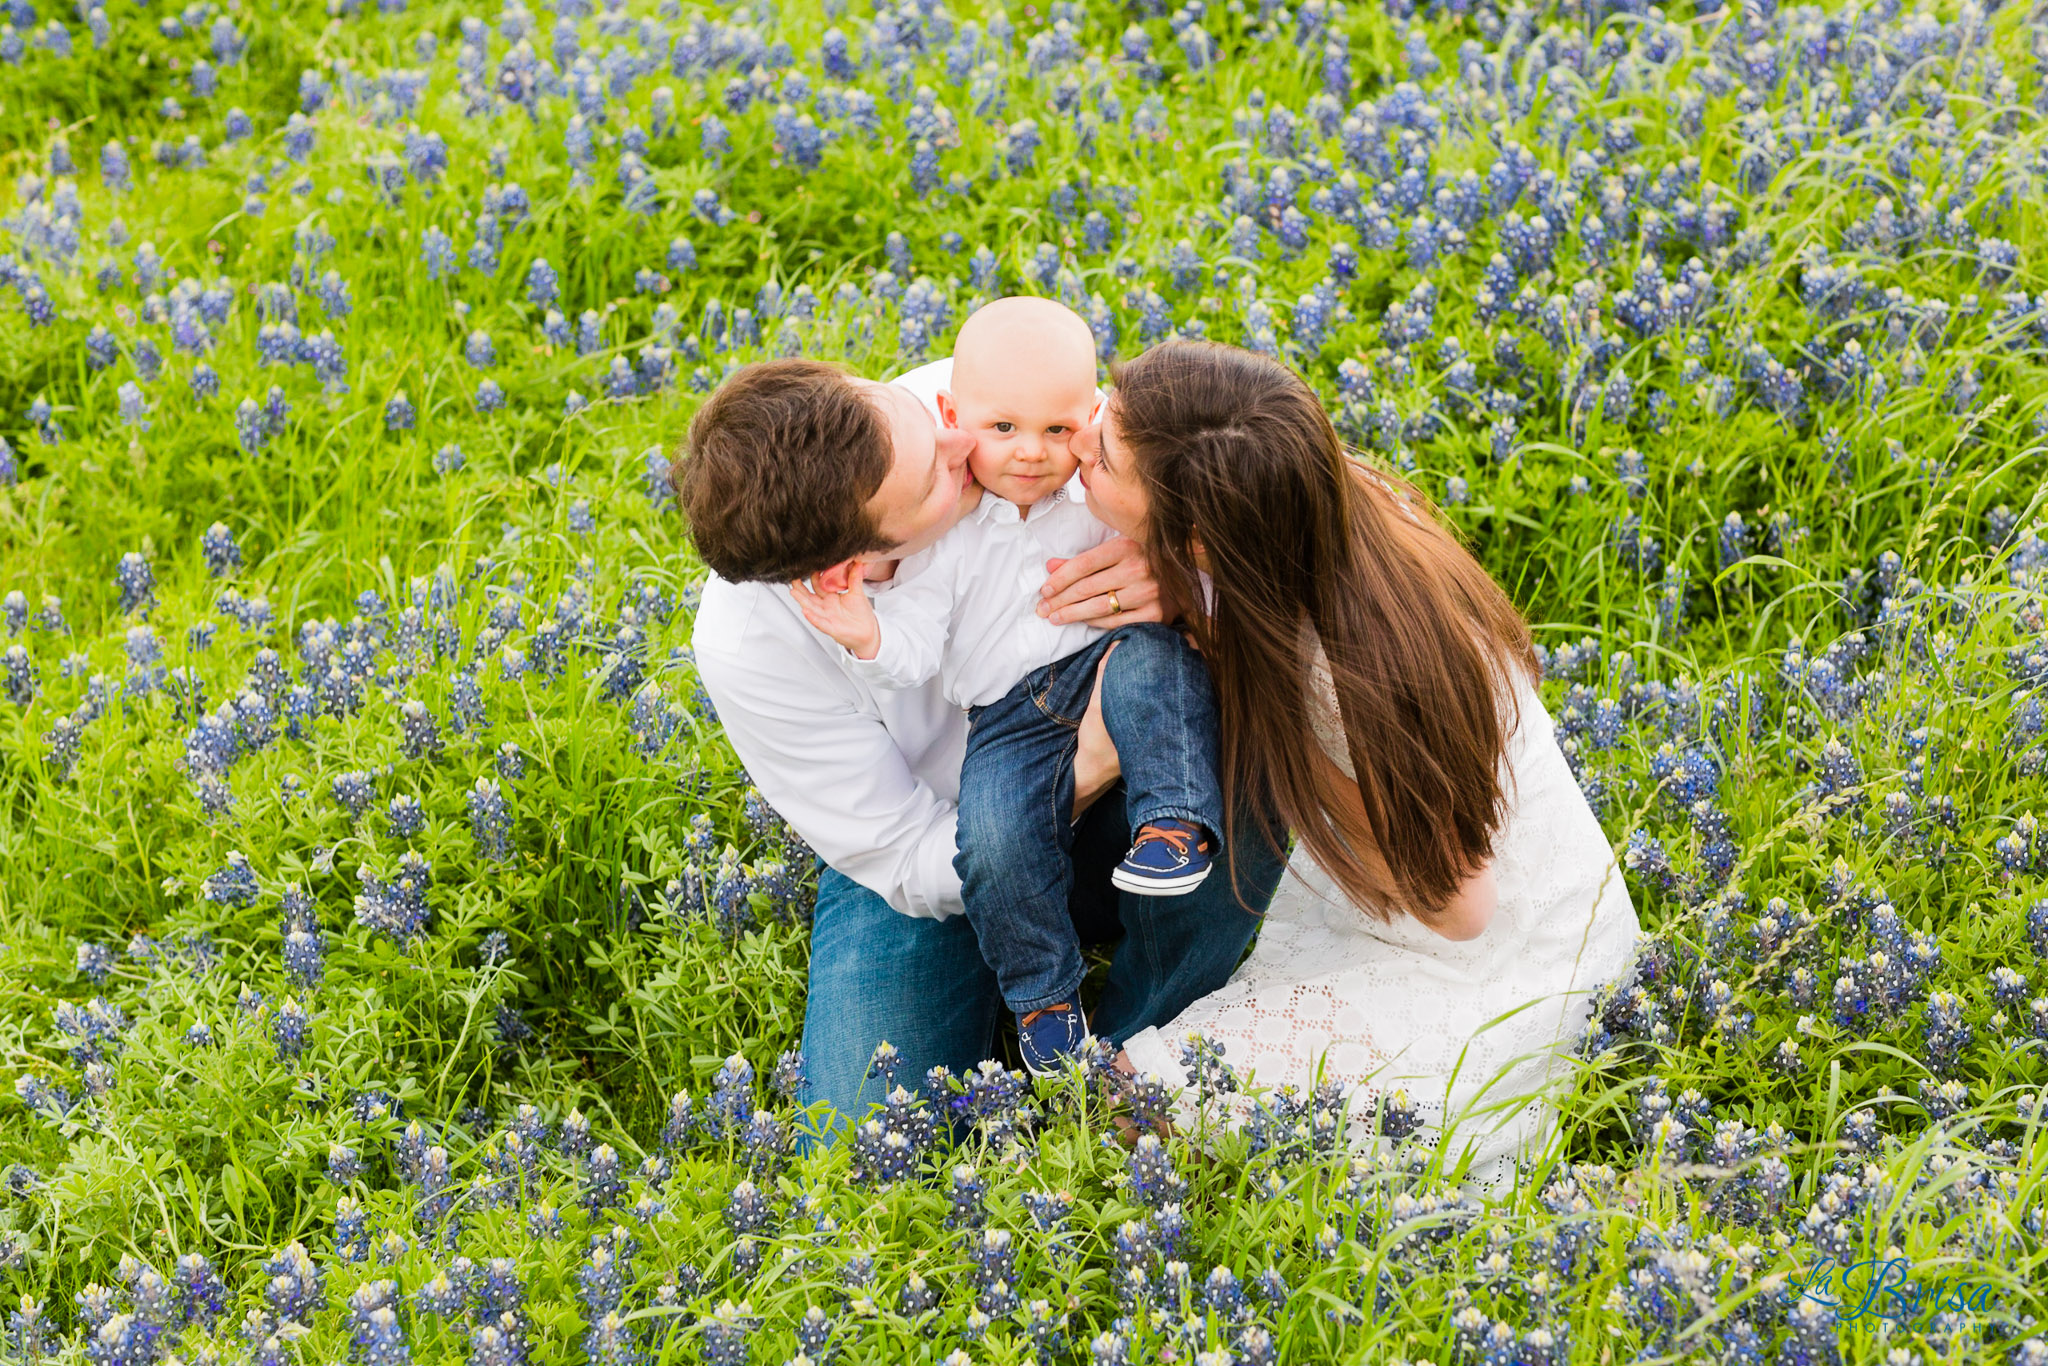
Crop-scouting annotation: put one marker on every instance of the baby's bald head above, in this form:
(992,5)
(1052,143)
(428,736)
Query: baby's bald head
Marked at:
(1007,342)
(1023,383)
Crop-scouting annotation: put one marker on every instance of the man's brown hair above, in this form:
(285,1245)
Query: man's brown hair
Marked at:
(782,460)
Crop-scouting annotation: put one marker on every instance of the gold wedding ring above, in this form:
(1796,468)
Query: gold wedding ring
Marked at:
(1113,608)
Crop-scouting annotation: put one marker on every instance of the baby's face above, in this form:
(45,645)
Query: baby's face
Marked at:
(1021,429)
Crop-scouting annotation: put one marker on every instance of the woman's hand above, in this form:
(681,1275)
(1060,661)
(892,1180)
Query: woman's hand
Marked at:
(1081,587)
(1128,1130)
(1096,766)
(847,616)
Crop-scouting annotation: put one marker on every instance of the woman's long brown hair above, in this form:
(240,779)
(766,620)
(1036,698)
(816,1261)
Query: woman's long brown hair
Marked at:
(1235,452)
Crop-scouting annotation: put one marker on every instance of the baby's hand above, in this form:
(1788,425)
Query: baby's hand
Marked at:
(847,616)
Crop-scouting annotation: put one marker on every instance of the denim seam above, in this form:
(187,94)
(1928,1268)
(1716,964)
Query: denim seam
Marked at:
(1039,700)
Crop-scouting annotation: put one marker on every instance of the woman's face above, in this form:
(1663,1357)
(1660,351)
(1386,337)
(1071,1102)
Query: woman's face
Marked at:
(1115,495)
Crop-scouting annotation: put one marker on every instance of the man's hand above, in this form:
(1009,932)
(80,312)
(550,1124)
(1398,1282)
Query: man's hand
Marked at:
(1096,766)
(1107,585)
(847,616)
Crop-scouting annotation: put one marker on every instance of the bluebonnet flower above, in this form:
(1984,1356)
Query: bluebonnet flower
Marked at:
(406,816)
(1632,472)
(437,252)
(218,548)
(334,295)
(1153,1180)
(22,681)
(137,583)
(490,821)
(114,168)
(95,961)
(233,885)
(602,1187)
(449,459)
(398,908)
(418,734)
(1839,774)
(42,1098)
(489,396)
(374,1329)
(330,364)
(1634,547)
(479,351)
(441,1297)
(200,1293)
(148,360)
(483,252)
(600,1282)
(101,350)
(706,204)
(399,413)
(43,417)
(1947,1033)
(304,956)
(288,1029)
(1734,539)
(543,286)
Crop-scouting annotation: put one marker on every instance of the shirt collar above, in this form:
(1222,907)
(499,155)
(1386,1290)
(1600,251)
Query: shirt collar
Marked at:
(994,509)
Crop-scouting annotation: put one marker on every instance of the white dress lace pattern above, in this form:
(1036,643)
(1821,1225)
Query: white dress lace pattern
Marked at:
(1394,1006)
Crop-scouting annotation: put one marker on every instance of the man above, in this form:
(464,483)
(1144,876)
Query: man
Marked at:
(798,471)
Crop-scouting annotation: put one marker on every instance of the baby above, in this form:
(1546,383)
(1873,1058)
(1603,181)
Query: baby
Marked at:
(1023,382)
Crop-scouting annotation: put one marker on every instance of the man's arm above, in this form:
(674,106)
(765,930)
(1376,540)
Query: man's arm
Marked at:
(832,770)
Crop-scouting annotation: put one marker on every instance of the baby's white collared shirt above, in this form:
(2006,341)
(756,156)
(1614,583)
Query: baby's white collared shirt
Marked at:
(966,608)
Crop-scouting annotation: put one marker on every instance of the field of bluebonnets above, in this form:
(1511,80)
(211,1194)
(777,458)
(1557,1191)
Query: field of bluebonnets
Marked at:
(395,964)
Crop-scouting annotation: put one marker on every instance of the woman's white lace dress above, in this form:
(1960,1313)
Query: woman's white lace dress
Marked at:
(1394,1005)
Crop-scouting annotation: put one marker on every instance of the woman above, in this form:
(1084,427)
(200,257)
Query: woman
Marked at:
(1376,689)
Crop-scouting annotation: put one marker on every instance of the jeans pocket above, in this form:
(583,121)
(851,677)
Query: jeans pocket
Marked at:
(1050,690)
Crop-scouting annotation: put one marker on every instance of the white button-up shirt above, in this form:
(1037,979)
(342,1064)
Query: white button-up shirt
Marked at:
(870,777)
(968,613)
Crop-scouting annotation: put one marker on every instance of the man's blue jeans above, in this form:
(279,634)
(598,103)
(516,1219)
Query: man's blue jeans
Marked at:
(1017,793)
(877,974)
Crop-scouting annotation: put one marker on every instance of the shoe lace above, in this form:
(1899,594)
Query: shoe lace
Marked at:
(1179,839)
(1062,1007)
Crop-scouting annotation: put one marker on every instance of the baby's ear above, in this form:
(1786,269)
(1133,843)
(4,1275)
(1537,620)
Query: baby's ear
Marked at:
(949,416)
(838,578)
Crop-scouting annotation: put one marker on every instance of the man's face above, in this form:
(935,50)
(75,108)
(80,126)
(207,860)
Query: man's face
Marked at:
(929,484)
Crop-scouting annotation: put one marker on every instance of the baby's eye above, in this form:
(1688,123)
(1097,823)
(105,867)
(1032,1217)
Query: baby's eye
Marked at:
(1006,427)
(1057,430)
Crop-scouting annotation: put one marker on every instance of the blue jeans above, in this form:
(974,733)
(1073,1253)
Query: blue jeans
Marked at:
(1017,793)
(922,984)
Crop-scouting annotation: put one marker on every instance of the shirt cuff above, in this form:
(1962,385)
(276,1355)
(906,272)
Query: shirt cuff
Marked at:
(1149,1052)
(939,879)
(878,672)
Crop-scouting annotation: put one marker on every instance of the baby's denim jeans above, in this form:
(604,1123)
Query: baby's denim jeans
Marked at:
(1017,793)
